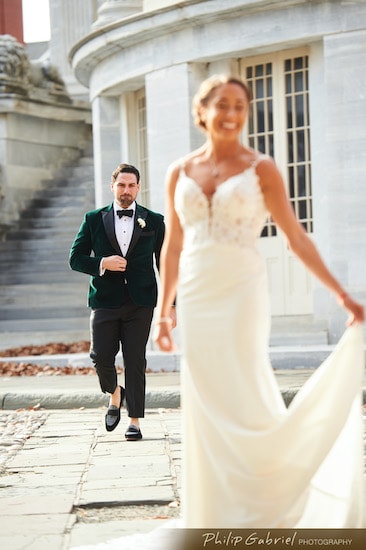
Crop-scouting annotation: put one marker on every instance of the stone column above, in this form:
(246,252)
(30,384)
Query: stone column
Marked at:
(107,145)
(171,132)
(71,20)
(342,190)
(113,10)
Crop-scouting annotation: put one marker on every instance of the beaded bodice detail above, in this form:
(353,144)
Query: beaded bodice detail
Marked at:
(234,215)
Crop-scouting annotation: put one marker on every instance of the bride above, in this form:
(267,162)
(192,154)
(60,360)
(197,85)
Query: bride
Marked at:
(249,461)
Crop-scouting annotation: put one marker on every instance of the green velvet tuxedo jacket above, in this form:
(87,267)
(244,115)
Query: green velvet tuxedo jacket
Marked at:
(97,239)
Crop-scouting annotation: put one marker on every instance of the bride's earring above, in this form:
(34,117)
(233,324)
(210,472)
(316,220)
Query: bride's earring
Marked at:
(202,117)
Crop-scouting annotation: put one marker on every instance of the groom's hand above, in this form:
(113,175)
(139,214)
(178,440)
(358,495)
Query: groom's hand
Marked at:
(114,263)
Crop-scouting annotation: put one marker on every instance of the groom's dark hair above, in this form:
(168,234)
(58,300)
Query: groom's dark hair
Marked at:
(125,168)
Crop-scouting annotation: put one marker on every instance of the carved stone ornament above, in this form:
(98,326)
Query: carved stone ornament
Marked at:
(46,80)
(34,79)
(14,66)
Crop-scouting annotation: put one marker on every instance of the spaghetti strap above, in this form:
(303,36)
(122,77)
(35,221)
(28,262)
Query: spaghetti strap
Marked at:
(259,159)
(182,167)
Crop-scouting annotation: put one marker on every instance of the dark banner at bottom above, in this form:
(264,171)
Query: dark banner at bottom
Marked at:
(279,539)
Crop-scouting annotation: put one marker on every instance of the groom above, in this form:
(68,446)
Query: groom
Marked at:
(116,245)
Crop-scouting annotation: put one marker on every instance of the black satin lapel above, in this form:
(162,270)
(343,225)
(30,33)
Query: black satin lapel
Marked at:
(141,213)
(135,237)
(108,221)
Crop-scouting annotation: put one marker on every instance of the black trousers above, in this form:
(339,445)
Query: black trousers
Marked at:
(127,327)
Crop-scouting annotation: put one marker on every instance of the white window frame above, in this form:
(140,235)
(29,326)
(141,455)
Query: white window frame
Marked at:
(134,138)
(280,130)
(142,146)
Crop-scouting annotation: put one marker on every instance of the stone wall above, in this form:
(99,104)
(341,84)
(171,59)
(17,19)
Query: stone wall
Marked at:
(41,129)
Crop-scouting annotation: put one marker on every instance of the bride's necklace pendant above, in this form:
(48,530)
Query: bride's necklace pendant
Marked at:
(215,172)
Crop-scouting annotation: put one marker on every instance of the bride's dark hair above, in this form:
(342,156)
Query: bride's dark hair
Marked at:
(206,90)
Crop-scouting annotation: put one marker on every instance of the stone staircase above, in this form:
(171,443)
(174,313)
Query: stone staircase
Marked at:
(41,299)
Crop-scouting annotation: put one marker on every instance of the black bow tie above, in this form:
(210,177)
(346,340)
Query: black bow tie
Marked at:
(128,213)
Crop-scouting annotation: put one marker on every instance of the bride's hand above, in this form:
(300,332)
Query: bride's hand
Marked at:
(163,335)
(356,310)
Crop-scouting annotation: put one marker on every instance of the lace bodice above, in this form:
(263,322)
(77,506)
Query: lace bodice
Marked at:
(234,215)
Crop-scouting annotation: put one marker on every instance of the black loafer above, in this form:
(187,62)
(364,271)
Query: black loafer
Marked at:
(113,415)
(133,433)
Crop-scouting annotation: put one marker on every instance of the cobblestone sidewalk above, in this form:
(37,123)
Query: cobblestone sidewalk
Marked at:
(66,482)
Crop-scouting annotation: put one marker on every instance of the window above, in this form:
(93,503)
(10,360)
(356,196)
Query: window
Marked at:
(280,126)
(298,138)
(142,147)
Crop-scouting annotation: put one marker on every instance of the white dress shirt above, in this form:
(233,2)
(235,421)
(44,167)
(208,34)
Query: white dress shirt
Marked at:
(123,228)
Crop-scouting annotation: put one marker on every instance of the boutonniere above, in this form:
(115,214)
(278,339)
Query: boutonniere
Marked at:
(141,222)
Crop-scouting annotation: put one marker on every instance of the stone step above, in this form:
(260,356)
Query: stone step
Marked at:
(72,281)
(56,188)
(46,308)
(55,211)
(26,259)
(42,312)
(45,325)
(83,180)
(77,184)
(297,338)
(19,338)
(40,295)
(87,160)
(64,200)
(63,242)
(44,265)
(56,222)
(35,255)
(27,277)
(51,216)
(38,234)
(80,171)
(83,172)
(75,192)
(298,329)
(65,216)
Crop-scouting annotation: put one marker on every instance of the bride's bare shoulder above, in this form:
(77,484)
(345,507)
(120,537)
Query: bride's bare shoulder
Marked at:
(194,157)
(182,163)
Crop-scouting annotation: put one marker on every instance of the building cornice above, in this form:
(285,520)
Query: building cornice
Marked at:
(136,29)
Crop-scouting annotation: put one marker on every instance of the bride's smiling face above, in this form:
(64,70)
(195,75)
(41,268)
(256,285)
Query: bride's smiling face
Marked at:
(226,111)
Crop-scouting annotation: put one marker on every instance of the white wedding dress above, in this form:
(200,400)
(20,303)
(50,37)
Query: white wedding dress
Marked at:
(248,461)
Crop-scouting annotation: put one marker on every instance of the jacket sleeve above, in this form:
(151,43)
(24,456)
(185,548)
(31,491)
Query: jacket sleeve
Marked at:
(160,232)
(80,258)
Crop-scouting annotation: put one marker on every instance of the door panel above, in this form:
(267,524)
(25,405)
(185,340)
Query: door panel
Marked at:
(290,284)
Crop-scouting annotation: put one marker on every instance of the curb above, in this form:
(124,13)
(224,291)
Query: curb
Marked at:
(159,399)
(164,399)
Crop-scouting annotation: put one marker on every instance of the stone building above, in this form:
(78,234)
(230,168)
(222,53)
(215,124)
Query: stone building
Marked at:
(139,62)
